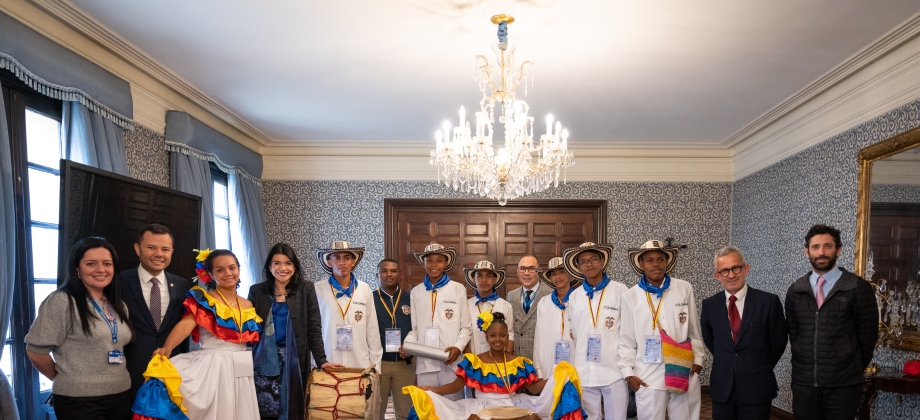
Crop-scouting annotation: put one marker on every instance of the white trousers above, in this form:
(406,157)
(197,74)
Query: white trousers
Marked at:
(652,404)
(440,378)
(616,398)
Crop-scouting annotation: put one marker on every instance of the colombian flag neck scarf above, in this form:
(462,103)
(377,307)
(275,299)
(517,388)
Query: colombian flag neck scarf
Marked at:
(441,282)
(592,290)
(657,291)
(479,299)
(341,291)
(565,300)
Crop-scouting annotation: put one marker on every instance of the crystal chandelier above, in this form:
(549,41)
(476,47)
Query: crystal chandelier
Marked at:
(467,161)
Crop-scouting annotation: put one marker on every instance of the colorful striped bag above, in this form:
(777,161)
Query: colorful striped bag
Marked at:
(678,359)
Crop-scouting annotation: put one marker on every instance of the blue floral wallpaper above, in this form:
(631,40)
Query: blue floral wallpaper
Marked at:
(888,193)
(147,157)
(773,209)
(310,214)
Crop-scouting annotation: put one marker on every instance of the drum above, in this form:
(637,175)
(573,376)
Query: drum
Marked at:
(343,393)
(505,413)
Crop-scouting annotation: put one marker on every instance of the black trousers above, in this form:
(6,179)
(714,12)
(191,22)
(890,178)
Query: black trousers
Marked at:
(732,410)
(104,407)
(826,403)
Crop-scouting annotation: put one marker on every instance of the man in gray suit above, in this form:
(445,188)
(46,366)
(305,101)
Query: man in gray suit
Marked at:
(524,301)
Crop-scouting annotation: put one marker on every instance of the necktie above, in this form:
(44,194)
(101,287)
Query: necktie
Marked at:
(155,303)
(820,291)
(734,319)
(527,301)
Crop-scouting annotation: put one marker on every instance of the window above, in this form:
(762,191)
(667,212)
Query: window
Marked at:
(221,207)
(34,129)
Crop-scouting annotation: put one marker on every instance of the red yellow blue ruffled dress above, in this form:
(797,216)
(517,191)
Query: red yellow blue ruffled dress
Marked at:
(213,383)
(497,385)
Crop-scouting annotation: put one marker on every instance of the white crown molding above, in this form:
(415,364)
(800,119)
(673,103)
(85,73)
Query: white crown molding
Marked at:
(881,77)
(83,23)
(150,109)
(417,168)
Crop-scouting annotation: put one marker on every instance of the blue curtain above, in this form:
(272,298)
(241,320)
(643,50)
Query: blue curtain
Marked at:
(246,195)
(190,172)
(89,139)
(7,255)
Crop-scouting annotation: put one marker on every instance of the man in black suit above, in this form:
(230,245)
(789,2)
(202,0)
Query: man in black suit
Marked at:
(154,299)
(746,333)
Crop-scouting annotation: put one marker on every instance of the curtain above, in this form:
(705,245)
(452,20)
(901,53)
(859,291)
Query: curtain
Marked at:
(250,237)
(89,139)
(189,172)
(7,256)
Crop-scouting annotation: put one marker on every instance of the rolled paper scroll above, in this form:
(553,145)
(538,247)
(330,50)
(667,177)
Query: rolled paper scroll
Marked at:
(427,352)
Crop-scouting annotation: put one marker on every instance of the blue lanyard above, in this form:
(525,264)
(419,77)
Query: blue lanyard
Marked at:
(113,325)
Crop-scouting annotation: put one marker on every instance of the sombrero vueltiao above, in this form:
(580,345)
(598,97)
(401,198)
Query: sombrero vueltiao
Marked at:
(337,246)
(652,245)
(569,255)
(556,264)
(448,252)
(487,266)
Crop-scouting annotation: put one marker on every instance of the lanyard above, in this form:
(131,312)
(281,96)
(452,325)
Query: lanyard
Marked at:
(562,315)
(109,319)
(341,312)
(480,308)
(238,323)
(655,323)
(434,303)
(392,313)
(594,316)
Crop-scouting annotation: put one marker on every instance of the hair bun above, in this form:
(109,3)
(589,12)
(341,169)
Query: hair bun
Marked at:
(498,317)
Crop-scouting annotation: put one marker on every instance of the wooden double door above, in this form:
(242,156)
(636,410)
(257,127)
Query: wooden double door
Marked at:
(483,230)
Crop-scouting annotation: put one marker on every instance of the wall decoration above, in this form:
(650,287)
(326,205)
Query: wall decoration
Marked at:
(147,157)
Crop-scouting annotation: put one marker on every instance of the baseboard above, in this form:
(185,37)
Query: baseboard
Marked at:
(779,413)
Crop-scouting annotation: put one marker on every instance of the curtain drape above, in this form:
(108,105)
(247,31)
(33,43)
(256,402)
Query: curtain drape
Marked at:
(89,139)
(246,202)
(189,173)
(7,255)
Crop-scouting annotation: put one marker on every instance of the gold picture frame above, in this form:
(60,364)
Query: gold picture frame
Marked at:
(910,340)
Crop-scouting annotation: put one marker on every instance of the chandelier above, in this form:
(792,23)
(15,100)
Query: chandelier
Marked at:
(467,161)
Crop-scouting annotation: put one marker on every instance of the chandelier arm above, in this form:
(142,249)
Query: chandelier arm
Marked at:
(522,74)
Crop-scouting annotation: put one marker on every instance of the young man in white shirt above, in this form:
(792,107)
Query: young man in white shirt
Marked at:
(440,317)
(553,340)
(346,305)
(656,309)
(595,309)
(486,280)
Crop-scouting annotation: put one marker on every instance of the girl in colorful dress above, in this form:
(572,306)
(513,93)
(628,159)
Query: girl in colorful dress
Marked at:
(497,376)
(216,381)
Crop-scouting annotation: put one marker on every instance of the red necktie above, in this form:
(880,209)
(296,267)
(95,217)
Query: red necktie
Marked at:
(734,319)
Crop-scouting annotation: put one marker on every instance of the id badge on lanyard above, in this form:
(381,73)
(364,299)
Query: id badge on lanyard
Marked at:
(594,348)
(433,337)
(344,339)
(393,339)
(115,357)
(653,349)
(563,349)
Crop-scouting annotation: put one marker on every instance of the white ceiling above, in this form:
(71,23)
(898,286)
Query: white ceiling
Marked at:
(612,71)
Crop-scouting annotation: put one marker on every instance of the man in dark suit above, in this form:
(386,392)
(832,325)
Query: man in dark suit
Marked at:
(524,300)
(154,299)
(746,333)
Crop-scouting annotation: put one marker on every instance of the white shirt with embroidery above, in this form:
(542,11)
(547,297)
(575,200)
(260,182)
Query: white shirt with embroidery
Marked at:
(361,315)
(607,315)
(451,316)
(549,329)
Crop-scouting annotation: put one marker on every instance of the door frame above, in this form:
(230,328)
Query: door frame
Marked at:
(392,207)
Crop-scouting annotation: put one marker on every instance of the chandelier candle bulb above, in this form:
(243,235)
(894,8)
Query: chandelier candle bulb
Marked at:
(549,124)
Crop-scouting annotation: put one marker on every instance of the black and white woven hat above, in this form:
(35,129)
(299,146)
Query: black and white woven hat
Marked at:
(653,245)
(569,256)
(487,266)
(557,263)
(448,252)
(322,254)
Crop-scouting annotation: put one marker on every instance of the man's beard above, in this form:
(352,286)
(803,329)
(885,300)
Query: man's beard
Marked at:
(831,262)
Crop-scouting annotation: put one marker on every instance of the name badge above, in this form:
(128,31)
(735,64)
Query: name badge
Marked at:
(594,348)
(653,349)
(344,338)
(116,357)
(393,339)
(433,337)
(562,351)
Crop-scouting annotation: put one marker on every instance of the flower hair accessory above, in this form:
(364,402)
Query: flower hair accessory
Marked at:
(484,320)
(202,274)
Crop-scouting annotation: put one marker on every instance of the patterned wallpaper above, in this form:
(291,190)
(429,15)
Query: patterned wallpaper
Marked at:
(773,209)
(889,193)
(147,157)
(310,214)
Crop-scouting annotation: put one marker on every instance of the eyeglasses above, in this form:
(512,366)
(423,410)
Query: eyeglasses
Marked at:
(527,269)
(736,269)
(589,261)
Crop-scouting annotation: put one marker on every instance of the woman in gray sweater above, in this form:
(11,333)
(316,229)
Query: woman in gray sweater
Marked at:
(84,324)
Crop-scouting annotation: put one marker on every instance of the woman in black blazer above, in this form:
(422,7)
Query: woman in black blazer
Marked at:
(291,330)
